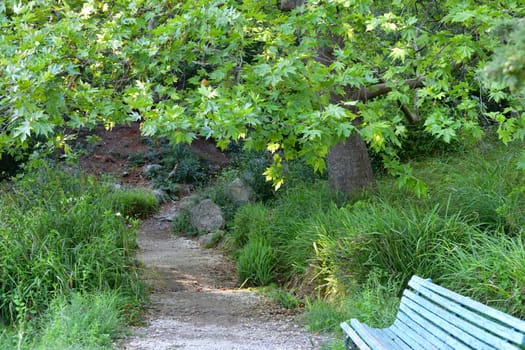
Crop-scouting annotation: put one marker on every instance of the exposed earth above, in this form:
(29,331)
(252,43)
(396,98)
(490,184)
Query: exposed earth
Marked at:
(196,302)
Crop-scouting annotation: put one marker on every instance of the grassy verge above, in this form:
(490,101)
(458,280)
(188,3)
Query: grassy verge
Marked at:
(352,259)
(68,274)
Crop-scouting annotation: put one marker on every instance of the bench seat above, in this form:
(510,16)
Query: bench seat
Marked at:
(432,317)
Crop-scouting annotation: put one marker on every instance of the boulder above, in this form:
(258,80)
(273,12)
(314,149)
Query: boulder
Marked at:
(206,216)
(149,169)
(239,192)
(161,195)
(186,203)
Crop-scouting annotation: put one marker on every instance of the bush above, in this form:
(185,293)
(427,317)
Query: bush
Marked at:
(182,225)
(375,302)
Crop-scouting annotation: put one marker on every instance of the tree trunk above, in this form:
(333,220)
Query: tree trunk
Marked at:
(349,167)
(288,5)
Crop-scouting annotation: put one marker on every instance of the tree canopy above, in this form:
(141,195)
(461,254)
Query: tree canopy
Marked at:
(292,82)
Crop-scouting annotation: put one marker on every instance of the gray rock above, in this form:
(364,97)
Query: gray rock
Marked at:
(170,217)
(239,192)
(186,203)
(161,195)
(206,216)
(207,239)
(150,168)
(117,187)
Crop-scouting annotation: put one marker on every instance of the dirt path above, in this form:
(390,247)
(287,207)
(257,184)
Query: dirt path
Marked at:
(195,303)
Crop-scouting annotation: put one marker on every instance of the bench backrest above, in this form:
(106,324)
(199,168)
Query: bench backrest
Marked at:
(460,322)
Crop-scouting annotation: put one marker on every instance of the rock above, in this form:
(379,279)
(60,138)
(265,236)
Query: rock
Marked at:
(186,203)
(150,168)
(207,239)
(170,217)
(206,216)
(239,192)
(161,196)
(117,187)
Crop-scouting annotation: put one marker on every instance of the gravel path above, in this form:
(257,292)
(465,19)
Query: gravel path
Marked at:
(195,302)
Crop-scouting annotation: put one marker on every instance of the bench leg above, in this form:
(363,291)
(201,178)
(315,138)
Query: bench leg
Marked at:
(349,343)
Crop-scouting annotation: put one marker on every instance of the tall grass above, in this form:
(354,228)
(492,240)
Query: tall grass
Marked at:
(256,262)
(60,234)
(467,234)
(492,271)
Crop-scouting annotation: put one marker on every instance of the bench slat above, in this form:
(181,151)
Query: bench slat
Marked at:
(479,321)
(470,333)
(431,313)
(440,333)
(400,338)
(388,339)
(423,332)
(513,322)
(355,338)
(369,338)
(431,317)
(410,335)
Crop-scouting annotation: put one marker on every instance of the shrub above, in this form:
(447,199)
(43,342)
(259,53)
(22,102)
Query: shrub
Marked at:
(323,316)
(375,302)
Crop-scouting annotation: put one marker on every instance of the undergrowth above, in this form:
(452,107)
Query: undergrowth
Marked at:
(353,258)
(65,251)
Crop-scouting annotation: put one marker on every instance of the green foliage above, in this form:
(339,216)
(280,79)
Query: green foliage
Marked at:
(82,322)
(403,241)
(357,256)
(179,165)
(284,298)
(59,233)
(250,221)
(182,225)
(256,262)
(491,270)
(231,71)
(375,302)
(134,203)
(483,185)
(507,67)
(323,316)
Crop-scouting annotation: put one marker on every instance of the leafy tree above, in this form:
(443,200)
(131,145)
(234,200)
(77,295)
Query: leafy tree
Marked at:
(297,83)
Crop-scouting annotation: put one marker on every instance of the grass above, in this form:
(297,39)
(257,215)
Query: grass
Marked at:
(256,262)
(67,258)
(352,258)
(134,203)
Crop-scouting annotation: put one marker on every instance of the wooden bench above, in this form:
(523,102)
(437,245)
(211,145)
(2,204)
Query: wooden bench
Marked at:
(433,317)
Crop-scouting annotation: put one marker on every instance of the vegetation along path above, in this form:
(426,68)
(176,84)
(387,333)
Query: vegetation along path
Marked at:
(195,303)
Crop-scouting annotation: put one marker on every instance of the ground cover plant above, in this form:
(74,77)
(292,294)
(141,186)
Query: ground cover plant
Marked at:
(352,257)
(69,278)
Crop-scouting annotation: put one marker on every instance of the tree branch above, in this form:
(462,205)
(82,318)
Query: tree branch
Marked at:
(367,93)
